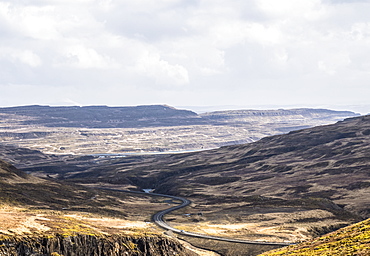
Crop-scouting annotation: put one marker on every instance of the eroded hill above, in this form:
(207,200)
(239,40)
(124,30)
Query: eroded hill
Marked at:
(117,130)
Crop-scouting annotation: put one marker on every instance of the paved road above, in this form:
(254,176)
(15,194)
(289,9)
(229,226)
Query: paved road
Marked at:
(158,219)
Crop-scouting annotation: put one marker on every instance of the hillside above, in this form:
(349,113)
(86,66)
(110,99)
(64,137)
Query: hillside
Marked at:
(21,189)
(289,187)
(41,217)
(329,162)
(352,240)
(157,128)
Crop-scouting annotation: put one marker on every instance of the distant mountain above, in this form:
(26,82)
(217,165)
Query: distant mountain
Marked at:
(154,115)
(102,116)
(281,120)
(297,113)
(157,128)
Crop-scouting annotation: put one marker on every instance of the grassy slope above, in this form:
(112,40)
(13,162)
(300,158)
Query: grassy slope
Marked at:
(351,240)
(20,188)
(36,199)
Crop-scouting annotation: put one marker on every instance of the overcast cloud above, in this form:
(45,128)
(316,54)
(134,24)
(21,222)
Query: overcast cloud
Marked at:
(313,53)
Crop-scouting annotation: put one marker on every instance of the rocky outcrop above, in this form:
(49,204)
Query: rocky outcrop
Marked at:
(83,245)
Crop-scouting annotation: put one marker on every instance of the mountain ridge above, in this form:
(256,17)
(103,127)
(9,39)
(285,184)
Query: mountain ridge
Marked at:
(158,128)
(100,116)
(145,115)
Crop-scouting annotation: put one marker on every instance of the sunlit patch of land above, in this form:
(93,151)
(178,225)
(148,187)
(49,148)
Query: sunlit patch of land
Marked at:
(352,240)
(281,225)
(18,221)
(23,221)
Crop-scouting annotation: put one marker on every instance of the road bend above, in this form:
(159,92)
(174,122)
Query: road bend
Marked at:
(158,218)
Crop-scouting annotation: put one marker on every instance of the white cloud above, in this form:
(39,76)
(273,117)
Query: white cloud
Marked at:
(150,64)
(332,63)
(306,9)
(21,56)
(30,21)
(185,48)
(28,57)
(80,56)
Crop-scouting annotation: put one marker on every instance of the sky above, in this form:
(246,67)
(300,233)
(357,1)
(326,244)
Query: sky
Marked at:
(186,53)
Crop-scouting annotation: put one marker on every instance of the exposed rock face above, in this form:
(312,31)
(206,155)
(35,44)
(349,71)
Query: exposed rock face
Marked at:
(82,245)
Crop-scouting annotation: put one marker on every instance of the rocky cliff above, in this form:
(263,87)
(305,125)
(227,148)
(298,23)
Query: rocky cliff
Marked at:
(82,245)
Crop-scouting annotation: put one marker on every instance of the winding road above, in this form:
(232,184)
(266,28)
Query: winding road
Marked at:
(158,219)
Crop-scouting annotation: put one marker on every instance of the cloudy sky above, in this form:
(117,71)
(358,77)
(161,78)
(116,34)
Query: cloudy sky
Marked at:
(255,53)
